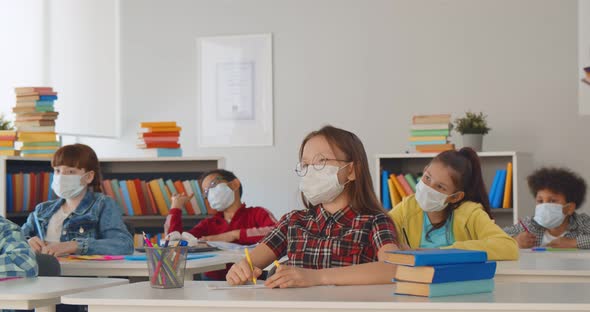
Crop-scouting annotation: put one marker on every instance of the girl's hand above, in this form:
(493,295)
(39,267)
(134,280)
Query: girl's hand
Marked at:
(36,244)
(563,242)
(60,249)
(526,240)
(229,237)
(240,273)
(290,276)
(178,200)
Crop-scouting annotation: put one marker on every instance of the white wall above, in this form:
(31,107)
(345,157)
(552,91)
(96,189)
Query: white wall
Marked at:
(366,66)
(583,54)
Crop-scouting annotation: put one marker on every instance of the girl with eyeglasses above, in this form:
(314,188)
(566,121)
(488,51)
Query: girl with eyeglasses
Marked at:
(344,232)
(233,221)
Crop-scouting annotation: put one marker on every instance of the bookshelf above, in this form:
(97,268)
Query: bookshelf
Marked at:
(119,168)
(523,202)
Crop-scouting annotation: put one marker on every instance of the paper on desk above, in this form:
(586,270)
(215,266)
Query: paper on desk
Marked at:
(249,286)
(229,246)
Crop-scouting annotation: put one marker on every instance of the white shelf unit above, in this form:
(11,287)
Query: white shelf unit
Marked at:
(523,202)
(126,168)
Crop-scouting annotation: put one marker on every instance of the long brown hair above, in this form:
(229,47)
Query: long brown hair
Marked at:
(467,177)
(82,157)
(363,198)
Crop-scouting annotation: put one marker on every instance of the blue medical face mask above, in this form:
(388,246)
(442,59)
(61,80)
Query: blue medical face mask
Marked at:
(549,215)
(69,185)
(220,197)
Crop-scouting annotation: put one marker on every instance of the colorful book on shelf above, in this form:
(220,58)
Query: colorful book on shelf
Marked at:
(419,133)
(126,197)
(499,194)
(396,198)
(430,257)
(26,191)
(507,202)
(149,210)
(398,186)
(431,119)
(26,90)
(385,196)
(19,192)
(435,148)
(158,124)
(134,198)
(37,136)
(108,189)
(119,196)
(152,202)
(411,181)
(422,143)
(445,289)
(142,135)
(165,193)
(193,201)
(159,145)
(180,189)
(494,188)
(158,197)
(32,190)
(440,126)
(445,273)
(200,200)
(140,197)
(9,194)
(404,184)
(161,139)
(172,188)
(170,129)
(428,139)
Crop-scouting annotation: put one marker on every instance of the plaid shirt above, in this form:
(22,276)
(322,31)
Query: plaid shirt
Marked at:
(16,257)
(314,239)
(578,228)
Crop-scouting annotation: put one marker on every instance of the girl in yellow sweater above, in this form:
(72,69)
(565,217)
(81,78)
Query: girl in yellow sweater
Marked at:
(451,209)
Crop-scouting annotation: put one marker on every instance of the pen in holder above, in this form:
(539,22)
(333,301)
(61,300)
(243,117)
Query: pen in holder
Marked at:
(166,266)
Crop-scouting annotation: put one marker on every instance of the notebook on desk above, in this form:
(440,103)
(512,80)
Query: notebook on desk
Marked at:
(191,249)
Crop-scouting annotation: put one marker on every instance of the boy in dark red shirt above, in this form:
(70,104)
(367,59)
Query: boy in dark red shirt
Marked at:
(233,222)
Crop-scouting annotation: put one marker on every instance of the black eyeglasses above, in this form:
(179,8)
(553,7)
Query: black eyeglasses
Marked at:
(318,163)
(218,180)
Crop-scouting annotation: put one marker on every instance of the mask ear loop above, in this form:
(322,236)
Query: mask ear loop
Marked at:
(339,168)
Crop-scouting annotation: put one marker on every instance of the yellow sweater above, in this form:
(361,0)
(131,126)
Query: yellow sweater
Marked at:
(472,227)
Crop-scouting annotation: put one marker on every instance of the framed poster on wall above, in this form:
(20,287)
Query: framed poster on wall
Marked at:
(235,96)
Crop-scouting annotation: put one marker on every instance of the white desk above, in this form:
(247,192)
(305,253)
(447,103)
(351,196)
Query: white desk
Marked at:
(43,293)
(546,267)
(139,268)
(195,296)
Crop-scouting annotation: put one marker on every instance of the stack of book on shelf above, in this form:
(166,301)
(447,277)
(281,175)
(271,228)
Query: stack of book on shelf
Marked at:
(35,121)
(430,133)
(7,138)
(137,197)
(501,192)
(25,190)
(442,272)
(161,138)
(394,187)
(587,78)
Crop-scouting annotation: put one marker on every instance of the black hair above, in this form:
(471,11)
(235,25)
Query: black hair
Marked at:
(224,174)
(467,177)
(561,181)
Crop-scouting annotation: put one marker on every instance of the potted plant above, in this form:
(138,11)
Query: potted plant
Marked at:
(472,128)
(5,124)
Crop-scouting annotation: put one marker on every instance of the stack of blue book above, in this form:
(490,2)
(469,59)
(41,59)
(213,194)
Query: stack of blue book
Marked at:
(442,272)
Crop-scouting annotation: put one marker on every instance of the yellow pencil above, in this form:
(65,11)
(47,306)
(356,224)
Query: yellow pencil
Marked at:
(250,263)
(277,264)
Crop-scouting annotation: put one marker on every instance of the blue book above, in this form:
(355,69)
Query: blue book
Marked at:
(428,142)
(9,194)
(499,193)
(199,196)
(47,97)
(445,289)
(26,186)
(169,152)
(164,192)
(494,187)
(28,152)
(126,198)
(44,103)
(436,256)
(385,199)
(446,273)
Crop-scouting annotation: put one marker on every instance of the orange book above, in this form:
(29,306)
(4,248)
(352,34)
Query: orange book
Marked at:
(393,193)
(159,145)
(146,198)
(170,129)
(507,202)
(188,206)
(398,186)
(6,143)
(134,198)
(158,124)
(25,90)
(158,197)
(142,135)
(27,98)
(18,187)
(153,204)
(402,181)
(431,119)
(108,189)
(140,197)
(434,148)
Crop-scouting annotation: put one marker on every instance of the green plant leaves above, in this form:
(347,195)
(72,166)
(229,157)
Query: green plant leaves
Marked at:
(472,123)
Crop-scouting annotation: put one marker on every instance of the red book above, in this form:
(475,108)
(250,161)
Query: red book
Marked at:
(39,186)
(152,202)
(159,145)
(140,197)
(160,139)
(32,191)
(108,189)
(188,206)
(46,185)
(159,134)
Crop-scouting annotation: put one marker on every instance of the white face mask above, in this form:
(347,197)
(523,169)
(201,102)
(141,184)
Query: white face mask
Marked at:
(68,186)
(321,186)
(549,215)
(429,199)
(220,197)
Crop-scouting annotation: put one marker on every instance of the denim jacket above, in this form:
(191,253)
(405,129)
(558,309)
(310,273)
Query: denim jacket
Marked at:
(96,224)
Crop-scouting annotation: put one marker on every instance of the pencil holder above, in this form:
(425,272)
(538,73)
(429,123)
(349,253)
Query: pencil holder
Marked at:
(166,266)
